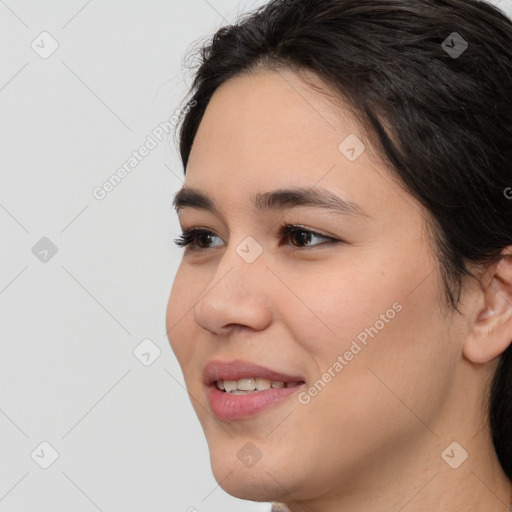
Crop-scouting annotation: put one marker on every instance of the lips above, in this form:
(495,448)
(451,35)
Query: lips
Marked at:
(230,407)
(239,369)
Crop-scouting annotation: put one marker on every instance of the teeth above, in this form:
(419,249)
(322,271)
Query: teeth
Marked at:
(244,386)
(230,385)
(262,384)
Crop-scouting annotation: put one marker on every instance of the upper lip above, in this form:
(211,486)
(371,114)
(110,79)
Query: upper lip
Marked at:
(238,369)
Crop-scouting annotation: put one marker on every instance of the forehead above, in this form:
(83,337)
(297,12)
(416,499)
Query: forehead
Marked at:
(275,113)
(268,125)
(271,130)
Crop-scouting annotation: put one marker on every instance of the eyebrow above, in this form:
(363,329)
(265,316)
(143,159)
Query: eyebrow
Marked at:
(280,199)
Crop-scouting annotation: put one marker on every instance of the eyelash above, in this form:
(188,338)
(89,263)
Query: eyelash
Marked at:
(189,237)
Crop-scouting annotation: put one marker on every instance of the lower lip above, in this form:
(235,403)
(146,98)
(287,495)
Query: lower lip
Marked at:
(230,407)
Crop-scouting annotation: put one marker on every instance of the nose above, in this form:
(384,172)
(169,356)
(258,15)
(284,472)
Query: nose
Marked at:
(237,295)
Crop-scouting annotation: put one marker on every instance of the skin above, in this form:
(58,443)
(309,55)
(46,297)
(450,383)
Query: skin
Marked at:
(372,439)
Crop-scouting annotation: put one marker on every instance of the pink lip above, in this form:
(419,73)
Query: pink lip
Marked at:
(229,407)
(239,369)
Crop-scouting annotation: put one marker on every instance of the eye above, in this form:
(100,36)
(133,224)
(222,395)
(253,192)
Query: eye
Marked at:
(199,238)
(303,235)
(194,237)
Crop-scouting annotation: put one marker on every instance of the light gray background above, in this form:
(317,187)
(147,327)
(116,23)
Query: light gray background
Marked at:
(126,435)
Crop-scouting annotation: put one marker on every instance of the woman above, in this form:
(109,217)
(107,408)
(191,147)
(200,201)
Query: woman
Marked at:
(343,310)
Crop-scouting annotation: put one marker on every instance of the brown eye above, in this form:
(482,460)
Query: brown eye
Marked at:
(301,237)
(202,239)
(195,238)
(296,236)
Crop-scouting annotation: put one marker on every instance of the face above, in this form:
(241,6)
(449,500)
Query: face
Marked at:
(345,309)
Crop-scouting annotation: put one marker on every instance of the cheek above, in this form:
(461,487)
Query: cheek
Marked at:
(180,315)
(330,307)
(360,297)
(387,322)
(385,343)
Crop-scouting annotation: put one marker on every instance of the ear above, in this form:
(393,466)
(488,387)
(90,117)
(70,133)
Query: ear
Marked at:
(491,327)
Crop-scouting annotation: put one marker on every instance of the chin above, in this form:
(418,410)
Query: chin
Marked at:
(263,481)
(251,486)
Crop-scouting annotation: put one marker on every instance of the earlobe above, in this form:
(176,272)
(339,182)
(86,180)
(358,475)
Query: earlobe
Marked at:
(491,329)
